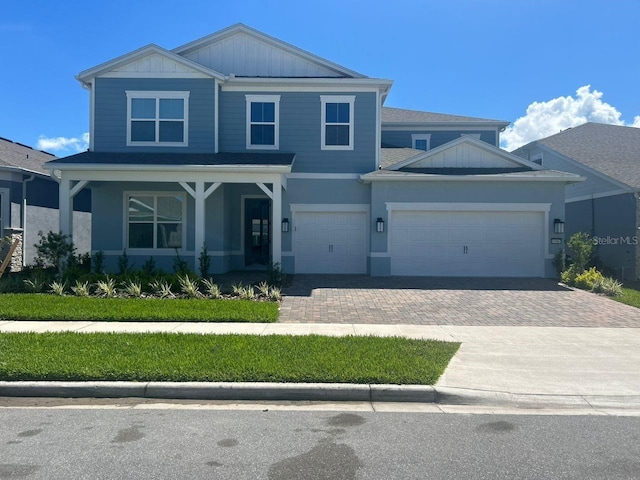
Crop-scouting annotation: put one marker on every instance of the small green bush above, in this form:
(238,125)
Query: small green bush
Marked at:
(569,276)
(53,249)
(581,246)
(608,286)
(588,279)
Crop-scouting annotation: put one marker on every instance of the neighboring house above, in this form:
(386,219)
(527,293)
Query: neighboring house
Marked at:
(264,153)
(605,205)
(29,201)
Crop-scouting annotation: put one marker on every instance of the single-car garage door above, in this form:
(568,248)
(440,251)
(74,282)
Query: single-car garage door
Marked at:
(330,242)
(477,243)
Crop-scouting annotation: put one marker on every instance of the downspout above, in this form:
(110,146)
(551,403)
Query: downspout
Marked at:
(24,217)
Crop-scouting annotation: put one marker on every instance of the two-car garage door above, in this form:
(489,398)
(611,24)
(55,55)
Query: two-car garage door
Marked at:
(467,243)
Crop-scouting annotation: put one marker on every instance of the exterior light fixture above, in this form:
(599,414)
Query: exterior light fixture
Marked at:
(379,225)
(285,225)
(558,226)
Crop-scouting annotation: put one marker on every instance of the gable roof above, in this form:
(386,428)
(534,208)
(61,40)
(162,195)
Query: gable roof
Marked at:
(610,149)
(291,54)
(141,53)
(22,157)
(391,115)
(493,157)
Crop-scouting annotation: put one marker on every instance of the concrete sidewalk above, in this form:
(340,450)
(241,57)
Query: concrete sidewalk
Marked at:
(493,363)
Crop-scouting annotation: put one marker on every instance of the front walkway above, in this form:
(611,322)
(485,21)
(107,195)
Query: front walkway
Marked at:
(448,301)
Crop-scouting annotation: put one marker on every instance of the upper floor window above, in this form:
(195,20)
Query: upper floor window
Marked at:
(155,220)
(421,141)
(157,118)
(263,122)
(337,122)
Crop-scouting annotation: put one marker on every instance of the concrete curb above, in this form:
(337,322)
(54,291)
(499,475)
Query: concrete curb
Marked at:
(335,392)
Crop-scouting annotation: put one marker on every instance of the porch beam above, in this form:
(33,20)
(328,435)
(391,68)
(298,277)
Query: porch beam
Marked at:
(264,188)
(276,228)
(77,187)
(188,189)
(284,181)
(211,189)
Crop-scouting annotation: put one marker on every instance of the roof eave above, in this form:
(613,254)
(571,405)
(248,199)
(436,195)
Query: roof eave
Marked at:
(168,168)
(421,177)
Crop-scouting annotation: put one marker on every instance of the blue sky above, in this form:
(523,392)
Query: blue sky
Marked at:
(519,60)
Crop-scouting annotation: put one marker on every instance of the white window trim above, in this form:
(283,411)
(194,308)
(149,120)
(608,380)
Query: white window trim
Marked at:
(275,99)
(131,94)
(421,136)
(154,194)
(324,99)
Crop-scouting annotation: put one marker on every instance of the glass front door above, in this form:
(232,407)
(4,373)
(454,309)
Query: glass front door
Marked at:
(257,231)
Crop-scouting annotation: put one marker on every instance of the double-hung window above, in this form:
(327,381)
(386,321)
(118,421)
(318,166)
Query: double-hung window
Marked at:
(421,141)
(336,122)
(157,118)
(263,122)
(155,220)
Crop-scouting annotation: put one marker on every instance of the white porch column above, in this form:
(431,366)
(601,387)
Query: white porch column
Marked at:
(277,221)
(66,206)
(200,221)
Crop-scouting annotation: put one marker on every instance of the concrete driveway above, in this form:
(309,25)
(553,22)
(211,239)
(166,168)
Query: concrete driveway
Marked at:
(448,301)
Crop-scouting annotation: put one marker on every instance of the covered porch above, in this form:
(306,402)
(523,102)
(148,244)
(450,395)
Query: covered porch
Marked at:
(168,205)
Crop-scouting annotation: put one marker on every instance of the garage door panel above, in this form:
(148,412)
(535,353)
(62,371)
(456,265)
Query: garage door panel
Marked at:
(331,242)
(497,243)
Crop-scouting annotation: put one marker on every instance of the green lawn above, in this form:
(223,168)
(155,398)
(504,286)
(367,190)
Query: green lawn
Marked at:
(221,358)
(21,306)
(629,296)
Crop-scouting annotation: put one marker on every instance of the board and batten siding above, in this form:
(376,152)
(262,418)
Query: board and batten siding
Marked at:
(110,127)
(402,139)
(300,126)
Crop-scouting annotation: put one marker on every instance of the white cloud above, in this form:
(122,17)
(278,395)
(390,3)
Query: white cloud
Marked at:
(63,144)
(548,118)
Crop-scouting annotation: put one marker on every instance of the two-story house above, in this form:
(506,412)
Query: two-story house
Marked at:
(265,153)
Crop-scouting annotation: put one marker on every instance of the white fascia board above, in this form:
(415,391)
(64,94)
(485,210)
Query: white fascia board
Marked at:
(24,171)
(466,178)
(487,147)
(275,42)
(105,67)
(611,193)
(588,169)
(245,84)
(170,168)
(440,126)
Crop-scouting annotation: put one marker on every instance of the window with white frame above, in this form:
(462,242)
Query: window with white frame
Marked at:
(337,122)
(157,118)
(155,220)
(421,141)
(263,122)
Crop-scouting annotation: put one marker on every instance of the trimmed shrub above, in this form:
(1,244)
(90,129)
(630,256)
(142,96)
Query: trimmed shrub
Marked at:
(588,279)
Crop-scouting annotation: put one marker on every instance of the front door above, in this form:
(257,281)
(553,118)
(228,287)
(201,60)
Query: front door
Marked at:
(257,231)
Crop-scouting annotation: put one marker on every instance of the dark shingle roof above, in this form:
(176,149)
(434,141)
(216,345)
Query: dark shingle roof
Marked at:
(134,158)
(401,115)
(610,149)
(21,156)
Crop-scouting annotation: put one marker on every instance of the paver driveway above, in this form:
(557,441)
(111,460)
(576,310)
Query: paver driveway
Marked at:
(448,301)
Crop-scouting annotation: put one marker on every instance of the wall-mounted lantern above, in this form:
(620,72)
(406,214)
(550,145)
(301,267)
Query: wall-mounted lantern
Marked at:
(285,225)
(379,225)
(558,226)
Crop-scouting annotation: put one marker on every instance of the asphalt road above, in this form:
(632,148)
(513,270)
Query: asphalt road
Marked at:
(83,444)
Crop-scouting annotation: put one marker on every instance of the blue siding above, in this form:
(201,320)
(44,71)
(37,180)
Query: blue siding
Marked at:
(402,139)
(609,218)
(300,127)
(110,129)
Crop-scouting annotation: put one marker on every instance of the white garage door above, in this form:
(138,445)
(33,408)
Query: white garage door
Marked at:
(489,244)
(330,242)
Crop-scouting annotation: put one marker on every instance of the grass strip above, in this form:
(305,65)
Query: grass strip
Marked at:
(21,306)
(629,296)
(221,358)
